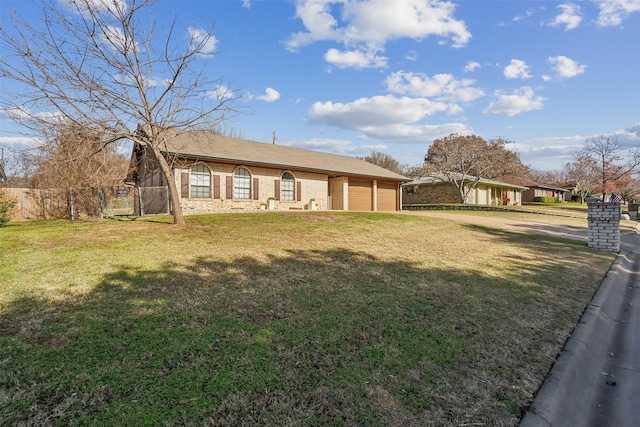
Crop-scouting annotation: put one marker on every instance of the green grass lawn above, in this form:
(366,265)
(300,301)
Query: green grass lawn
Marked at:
(282,319)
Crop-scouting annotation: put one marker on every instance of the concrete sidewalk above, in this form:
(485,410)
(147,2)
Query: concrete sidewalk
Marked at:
(595,380)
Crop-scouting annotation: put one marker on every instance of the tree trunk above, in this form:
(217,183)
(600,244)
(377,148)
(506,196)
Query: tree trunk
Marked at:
(174,197)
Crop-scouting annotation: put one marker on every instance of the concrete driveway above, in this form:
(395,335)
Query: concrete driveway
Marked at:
(508,224)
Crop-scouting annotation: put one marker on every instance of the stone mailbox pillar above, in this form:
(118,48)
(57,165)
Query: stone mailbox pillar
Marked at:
(604,226)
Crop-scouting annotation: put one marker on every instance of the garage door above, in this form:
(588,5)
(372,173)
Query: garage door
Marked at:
(360,195)
(387,196)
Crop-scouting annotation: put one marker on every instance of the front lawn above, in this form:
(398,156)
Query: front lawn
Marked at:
(282,319)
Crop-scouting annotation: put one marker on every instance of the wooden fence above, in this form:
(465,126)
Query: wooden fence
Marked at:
(32,204)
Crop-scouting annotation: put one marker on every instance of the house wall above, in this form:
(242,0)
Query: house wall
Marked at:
(482,196)
(430,193)
(448,193)
(312,185)
(530,194)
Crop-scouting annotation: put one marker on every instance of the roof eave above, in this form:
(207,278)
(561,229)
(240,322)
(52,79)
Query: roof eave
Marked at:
(286,166)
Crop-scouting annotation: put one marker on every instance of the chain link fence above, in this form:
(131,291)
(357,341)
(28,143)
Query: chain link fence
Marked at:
(108,202)
(153,200)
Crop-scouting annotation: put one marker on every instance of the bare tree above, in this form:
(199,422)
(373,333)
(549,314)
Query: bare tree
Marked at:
(506,162)
(583,171)
(628,188)
(103,65)
(385,161)
(19,166)
(75,157)
(611,159)
(546,176)
(465,160)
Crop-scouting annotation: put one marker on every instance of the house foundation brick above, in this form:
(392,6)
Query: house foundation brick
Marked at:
(604,226)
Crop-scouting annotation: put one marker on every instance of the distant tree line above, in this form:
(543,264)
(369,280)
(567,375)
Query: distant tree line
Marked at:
(601,166)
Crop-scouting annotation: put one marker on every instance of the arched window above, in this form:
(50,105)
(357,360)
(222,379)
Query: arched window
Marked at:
(241,184)
(200,181)
(287,187)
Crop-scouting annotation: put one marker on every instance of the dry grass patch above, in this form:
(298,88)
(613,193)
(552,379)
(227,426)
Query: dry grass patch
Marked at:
(298,319)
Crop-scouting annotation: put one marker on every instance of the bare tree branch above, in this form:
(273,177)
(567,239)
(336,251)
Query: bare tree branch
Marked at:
(102,66)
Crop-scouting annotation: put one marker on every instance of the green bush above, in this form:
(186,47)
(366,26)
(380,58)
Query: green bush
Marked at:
(6,206)
(546,199)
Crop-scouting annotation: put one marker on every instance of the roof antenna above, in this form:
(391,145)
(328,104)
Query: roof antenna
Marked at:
(274,137)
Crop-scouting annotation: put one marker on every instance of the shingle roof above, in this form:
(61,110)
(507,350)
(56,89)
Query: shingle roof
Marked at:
(529,183)
(442,179)
(213,147)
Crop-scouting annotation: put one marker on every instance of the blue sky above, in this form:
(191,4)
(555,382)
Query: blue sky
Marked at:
(353,76)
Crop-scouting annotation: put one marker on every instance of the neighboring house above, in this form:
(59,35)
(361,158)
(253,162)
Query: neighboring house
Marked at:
(215,173)
(571,187)
(437,190)
(538,189)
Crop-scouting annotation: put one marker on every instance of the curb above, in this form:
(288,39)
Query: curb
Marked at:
(595,380)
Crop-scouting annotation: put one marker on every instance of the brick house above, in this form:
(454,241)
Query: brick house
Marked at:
(438,190)
(538,189)
(215,173)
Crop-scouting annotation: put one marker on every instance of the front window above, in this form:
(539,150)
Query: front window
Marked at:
(200,182)
(241,184)
(286,189)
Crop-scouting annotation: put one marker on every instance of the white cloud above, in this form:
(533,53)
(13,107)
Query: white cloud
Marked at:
(553,152)
(108,4)
(367,26)
(412,55)
(528,14)
(355,59)
(221,92)
(246,4)
(566,67)
(21,114)
(471,66)
(116,39)
(443,87)
(518,101)
(99,6)
(204,40)
(341,146)
(517,69)
(27,141)
(386,117)
(416,133)
(613,12)
(570,17)
(270,95)
(377,111)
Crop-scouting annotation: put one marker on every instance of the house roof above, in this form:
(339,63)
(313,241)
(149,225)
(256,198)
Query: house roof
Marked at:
(207,146)
(441,179)
(530,184)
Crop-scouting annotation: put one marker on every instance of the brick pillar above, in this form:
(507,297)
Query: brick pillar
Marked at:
(604,226)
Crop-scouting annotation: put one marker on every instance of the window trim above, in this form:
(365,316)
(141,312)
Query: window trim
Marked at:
(292,190)
(194,174)
(248,186)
